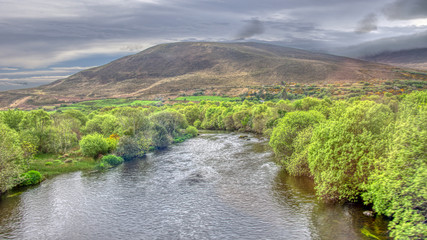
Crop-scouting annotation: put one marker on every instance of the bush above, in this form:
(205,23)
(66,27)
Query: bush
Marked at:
(192,131)
(31,177)
(48,163)
(94,144)
(160,137)
(197,123)
(132,147)
(112,160)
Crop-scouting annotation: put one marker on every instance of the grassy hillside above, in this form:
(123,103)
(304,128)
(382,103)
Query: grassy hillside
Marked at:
(168,71)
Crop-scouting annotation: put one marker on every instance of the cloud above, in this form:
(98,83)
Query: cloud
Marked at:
(42,33)
(367,24)
(252,28)
(406,9)
(8,69)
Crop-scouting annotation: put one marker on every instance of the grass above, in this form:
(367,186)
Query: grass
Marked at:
(95,104)
(212,98)
(58,166)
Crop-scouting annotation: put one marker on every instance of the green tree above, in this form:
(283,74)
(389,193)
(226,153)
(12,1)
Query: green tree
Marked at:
(399,188)
(37,123)
(131,147)
(105,124)
(12,118)
(10,157)
(93,144)
(288,128)
(345,151)
(160,138)
(170,120)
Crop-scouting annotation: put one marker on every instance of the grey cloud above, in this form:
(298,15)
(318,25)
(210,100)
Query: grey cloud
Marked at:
(252,28)
(367,24)
(33,40)
(406,9)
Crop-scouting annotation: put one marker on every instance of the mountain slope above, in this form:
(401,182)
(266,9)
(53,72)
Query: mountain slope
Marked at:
(225,68)
(414,58)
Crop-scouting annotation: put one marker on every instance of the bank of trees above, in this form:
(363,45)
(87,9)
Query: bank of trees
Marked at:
(126,132)
(370,149)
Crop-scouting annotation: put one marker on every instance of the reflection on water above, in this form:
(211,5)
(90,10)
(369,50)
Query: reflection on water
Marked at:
(216,186)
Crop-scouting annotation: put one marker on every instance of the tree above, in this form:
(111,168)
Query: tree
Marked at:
(171,121)
(131,147)
(399,188)
(288,128)
(93,144)
(160,138)
(10,157)
(105,124)
(37,123)
(344,152)
(12,118)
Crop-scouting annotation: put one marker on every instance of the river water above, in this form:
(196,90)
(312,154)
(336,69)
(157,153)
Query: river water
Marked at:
(215,186)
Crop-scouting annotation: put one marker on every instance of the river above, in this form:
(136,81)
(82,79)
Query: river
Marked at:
(215,186)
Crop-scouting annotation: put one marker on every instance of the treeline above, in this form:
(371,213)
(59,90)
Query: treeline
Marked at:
(370,149)
(124,132)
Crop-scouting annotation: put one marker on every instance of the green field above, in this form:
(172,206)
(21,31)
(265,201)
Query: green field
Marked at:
(95,104)
(211,98)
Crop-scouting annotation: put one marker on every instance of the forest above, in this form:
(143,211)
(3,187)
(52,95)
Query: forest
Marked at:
(369,149)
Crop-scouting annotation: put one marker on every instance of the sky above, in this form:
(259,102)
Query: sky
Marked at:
(45,40)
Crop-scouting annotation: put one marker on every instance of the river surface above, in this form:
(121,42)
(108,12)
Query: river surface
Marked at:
(215,186)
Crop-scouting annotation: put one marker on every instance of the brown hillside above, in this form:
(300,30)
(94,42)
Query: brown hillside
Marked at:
(414,58)
(225,68)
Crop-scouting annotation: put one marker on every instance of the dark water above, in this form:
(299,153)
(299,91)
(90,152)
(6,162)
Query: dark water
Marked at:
(216,186)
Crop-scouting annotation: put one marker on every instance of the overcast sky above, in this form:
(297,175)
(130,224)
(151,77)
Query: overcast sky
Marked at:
(44,40)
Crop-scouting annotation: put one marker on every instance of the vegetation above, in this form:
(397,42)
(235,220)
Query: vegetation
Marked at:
(31,177)
(211,98)
(366,148)
(112,160)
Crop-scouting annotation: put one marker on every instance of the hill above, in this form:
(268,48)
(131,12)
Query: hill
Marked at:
(414,58)
(170,70)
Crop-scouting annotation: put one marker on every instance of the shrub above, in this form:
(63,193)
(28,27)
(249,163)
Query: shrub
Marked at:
(192,131)
(197,123)
(94,144)
(57,161)
(31,177)
(101,166)
(112,160)
(48,163)
(132,147)
(112,144)
(160,138)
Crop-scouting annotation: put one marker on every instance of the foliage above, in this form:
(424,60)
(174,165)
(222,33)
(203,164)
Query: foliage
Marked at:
(288,128)
(31,177)
(130,147)
(37,123)
(192,131)
(112,160)
(105,124)
(12,118)
(170,121)
(93,144)
(10,157)
(343,151)
(366,147)
(399,189)
(211,98)
(160,138)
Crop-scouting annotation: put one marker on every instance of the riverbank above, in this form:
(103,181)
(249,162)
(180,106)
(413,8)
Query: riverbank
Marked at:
(215,186)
